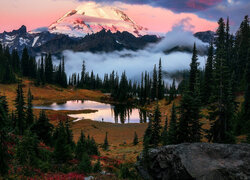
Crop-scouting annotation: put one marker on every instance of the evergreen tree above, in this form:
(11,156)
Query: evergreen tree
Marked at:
(106,144)
(172,92)
(43,128)
(29,112)
(97,167)
(189,127)
(85,164)
(27,150)
(123,88)
(193,70)
(135,141)
(164,134)
(20,110)
(147,138)
(172,132)
(69,134)
(4,156)
(25,62)
(154,92)
(160,82)
(83,74)
(156,127)
(48,70)
(80,146)
(62,150)
(242,44)
(208,79)
(42,74)
(221,110)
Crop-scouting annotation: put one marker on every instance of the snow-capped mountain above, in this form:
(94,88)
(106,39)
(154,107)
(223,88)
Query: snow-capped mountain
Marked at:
(18,39)
(91,18)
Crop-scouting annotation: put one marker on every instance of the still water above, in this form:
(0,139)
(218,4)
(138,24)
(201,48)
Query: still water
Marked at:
(105,112)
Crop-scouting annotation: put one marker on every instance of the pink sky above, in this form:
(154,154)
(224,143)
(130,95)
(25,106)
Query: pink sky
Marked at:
(40,13)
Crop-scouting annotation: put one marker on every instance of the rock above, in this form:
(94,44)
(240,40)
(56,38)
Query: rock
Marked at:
(89,178)
(201,161)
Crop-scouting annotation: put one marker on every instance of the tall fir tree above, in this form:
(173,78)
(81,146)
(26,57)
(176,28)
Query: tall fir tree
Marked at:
(156,127)
(160,82)
(154,92)
(164,134)
(4,156)
(106,144)
(29,112)
(43,128)
(20,110)
(208,77)
(172,132)
(221,110)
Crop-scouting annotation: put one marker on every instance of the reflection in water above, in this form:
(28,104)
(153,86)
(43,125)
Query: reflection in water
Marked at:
(106,112)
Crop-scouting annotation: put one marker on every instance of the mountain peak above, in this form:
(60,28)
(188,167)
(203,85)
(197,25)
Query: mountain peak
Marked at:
(91,17)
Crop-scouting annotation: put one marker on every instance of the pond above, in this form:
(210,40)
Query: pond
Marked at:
(105,112)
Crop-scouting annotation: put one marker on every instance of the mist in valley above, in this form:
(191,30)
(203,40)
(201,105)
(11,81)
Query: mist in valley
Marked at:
(136,62)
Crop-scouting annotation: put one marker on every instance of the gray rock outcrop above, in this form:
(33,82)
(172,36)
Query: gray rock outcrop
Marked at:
(200,161)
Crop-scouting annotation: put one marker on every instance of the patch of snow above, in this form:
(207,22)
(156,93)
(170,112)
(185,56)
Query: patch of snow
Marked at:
(9,38)
(23,41)
(118,42)
(35,40)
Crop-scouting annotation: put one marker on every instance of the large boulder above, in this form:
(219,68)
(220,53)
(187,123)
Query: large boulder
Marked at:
(201,161)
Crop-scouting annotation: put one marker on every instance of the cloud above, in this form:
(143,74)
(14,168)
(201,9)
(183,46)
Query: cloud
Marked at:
(40,29)
(234,9)
(136,62)
(178,6)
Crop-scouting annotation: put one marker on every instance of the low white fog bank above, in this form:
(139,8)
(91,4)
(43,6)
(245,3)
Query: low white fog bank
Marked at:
(136,62)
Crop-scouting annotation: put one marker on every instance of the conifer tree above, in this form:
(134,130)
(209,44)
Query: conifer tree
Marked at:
(97,167)
(164,134)
(106,144)
(135,141)
(85,164)
(160,82)
(156,127)
(83,74)
(193,70)
(25,62)
(147,138)
(42,74)
(154,93)
(189,127)
(62,150)
(48,70)
(208,79)
(4,156)
(43,128)
(69,134)
(29,112)
(172,132)
(27,149)
(221,110)
(20,110)
(80,146)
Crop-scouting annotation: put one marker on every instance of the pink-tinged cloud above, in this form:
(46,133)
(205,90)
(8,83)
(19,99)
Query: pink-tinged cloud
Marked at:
(201,4)
(39,13)
(163,20)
